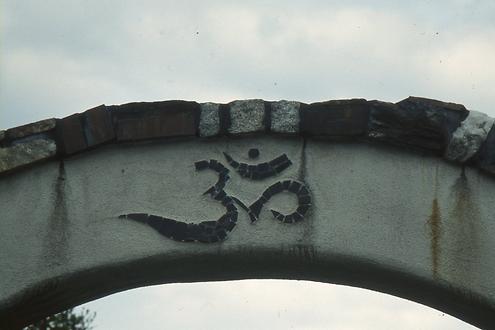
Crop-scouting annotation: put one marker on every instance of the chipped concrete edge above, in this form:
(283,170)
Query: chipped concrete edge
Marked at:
(446,129)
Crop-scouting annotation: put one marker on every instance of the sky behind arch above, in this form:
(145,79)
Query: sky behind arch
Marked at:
(62,57)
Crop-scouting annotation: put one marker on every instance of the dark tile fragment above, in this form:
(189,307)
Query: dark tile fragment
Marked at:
(294,187)
(286,184)
(302,209)
(304,191)
(243,169)
(289,218)
(201,165)
(220,195)
(253,153)
(304,199)
(221,234)
(273,189)
(279,216)
(279,160)
(282,166)
(255,208)
(297,217)
(263,167)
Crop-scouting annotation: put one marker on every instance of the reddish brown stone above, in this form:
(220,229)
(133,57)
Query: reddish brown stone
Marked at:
(335,118)
(98,126)
(30,129)
(147,120)
(70,134)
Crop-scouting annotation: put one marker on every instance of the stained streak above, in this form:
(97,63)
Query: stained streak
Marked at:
(435,222)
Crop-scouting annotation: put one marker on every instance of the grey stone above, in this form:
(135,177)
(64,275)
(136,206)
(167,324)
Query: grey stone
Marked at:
(2,135)
(468,138)
(30,129)
(31,151)
(209,122)
(285,116)
(247,116)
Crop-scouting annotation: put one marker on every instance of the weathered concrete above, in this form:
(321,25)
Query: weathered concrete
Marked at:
(404,223)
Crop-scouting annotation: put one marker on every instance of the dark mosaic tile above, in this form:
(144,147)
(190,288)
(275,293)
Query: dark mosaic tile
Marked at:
(220,195)
(221,234)
(304,199)
(201,165)
(273,189)
(297,217)
(289,218)
(304,191)
(255,208)
(253,153)
(302,209)
(279,160)
(194,231)
(243,168)
(279,216)
(294,187)
(286,184)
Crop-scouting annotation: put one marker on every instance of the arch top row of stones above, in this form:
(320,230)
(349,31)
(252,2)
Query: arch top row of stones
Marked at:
(446,129)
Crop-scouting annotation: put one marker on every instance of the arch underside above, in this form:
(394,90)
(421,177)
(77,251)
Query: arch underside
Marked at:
(402,223)
(296,262)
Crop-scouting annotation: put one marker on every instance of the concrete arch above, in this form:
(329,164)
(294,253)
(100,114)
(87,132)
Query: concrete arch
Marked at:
(396,222)
(77,227)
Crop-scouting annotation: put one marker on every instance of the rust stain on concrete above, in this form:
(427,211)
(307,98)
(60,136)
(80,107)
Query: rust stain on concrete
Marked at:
(464,228)
(435,223)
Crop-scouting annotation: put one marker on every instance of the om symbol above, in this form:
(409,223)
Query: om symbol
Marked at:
(217,230)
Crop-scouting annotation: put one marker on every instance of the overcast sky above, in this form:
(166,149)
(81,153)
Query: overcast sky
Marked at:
(61,57)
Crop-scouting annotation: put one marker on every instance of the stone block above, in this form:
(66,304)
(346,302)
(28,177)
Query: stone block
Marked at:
(98,127)
(247,116)
(30,129)
(285,116)
(468,138)
(485,158)
(70,134)
(26,152)
(416,122)
(209,122)
(335,118)
(148,120)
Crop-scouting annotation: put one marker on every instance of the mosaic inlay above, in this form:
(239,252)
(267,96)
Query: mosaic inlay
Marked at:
(211,231)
